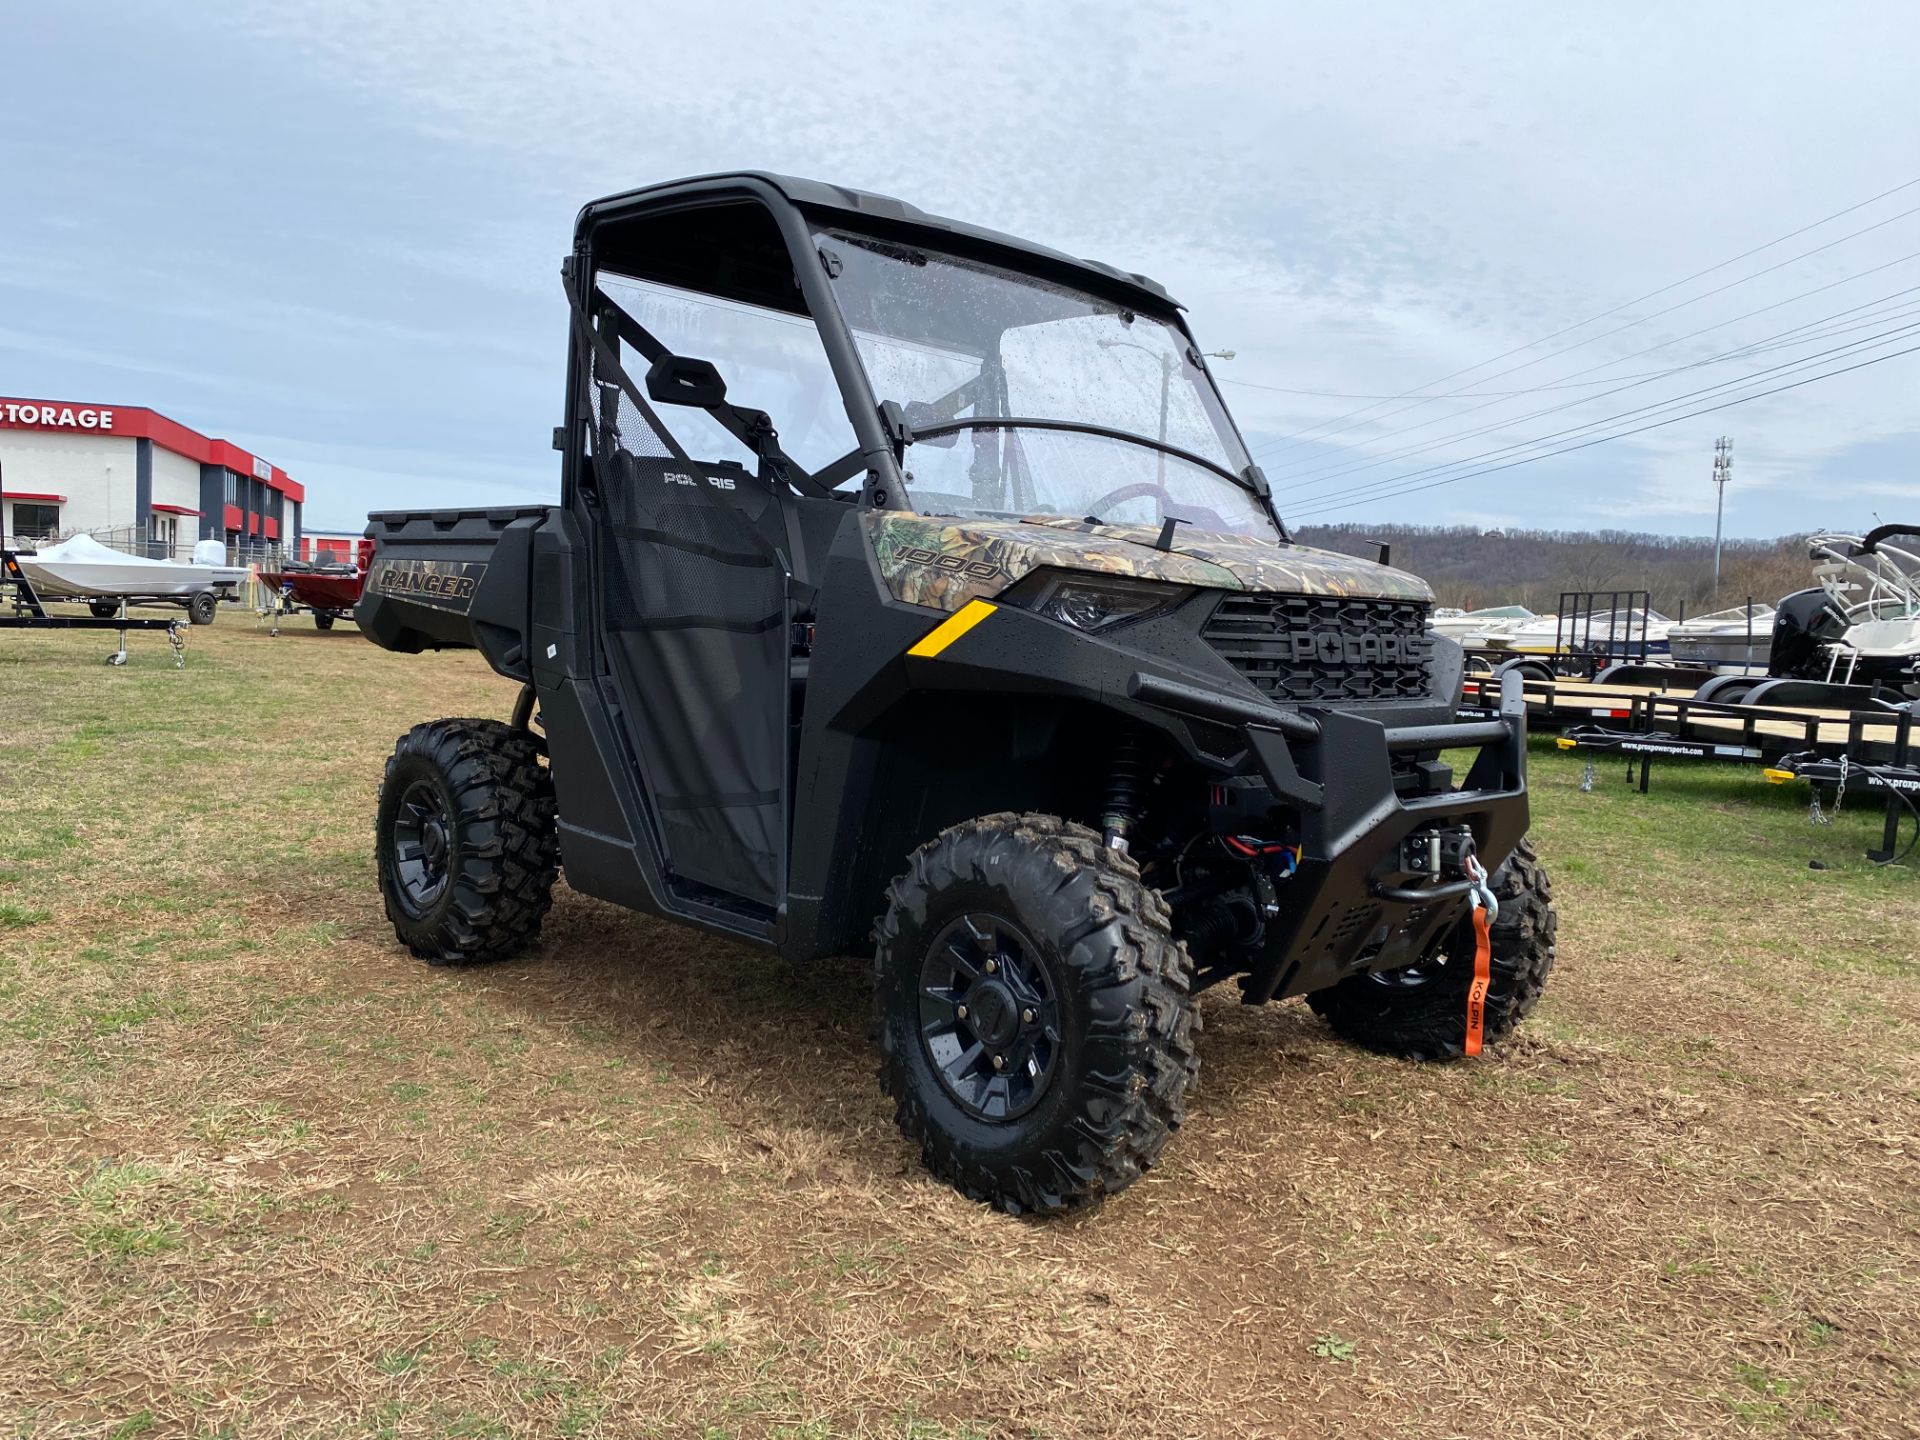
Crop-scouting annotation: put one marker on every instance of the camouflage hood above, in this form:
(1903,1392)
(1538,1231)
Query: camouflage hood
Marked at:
(944,563)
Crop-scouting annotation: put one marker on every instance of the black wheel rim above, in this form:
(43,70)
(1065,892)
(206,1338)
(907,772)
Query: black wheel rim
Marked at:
(422,846)
(989,1017)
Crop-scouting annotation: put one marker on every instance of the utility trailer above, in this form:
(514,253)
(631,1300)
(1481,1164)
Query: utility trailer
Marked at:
(27,611)
(1894,778)
(202,606)
(986,627)
(1649,720)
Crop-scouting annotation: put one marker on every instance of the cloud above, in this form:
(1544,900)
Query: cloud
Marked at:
(1355,200)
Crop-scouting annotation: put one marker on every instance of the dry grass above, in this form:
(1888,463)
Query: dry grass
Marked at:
(267,1175)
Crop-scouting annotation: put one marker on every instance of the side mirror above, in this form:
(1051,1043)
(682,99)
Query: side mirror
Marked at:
(681,380)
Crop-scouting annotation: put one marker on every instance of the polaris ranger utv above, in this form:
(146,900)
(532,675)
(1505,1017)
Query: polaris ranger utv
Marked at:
(910,570)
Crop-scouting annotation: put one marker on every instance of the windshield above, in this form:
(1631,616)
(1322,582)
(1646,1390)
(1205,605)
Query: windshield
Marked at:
(950,339)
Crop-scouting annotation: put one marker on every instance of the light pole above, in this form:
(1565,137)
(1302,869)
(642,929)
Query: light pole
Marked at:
(1722,473)
(1166,361)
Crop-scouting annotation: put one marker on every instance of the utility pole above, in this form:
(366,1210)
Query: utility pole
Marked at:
(1722,473)
(1167,362)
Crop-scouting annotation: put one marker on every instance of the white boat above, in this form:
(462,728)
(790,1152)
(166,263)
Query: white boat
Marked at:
(82,568)
(1545,634)
(1897,639)
(1740,637)
(1881,642)
(1477,629)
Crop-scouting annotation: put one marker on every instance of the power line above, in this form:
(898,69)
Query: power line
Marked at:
(1565,384)
(1379,488)
(1678,305)
(1282,471)
(1602,439)
(1318,394)
(1651,294)
(1782,340)
(1738,352)
(1680,339)
(1875,311)
(1374,488)
(1617,309)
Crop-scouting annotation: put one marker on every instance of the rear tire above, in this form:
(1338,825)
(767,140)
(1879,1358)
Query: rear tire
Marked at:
(201,609)
(1527,668)
(322,621)
(465,841)
(1729,689)
(1076,981)
(1420,1013)
(104,609)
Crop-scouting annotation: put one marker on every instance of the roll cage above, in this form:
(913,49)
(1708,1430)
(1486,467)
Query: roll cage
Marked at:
(750,238)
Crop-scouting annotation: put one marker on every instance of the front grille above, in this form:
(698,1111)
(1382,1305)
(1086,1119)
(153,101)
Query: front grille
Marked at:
(1318,648)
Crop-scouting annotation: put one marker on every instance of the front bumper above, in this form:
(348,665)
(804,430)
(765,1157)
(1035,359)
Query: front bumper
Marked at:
(1348,906)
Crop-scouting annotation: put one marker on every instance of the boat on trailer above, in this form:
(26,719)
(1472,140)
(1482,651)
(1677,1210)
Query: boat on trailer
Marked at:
(328,587)
(1873,594)
(81,568)
(1474,629)
(1737,638)
(1553,634)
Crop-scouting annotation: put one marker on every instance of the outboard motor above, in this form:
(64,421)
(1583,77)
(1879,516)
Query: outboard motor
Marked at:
(1802,623)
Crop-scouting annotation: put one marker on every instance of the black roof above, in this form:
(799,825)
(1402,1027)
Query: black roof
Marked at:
(862,209)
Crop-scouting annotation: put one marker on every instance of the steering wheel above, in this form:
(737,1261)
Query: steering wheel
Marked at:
(1132,492)
(1198,516)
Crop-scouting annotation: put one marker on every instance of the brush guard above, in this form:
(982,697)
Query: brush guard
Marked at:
(1381,874)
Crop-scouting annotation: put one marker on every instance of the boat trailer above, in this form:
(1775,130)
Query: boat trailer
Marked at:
(1868,749)
(29,612)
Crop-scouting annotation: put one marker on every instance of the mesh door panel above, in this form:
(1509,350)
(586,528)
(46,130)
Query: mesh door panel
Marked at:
(696,610)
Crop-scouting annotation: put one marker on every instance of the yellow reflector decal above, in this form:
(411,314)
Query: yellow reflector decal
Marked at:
(951,629)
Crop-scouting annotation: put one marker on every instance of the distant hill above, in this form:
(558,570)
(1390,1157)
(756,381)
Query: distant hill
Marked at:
(1472,568)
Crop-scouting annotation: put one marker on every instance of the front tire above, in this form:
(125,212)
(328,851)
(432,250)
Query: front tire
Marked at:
(465,841)
(202,608)
(1420,1012)
(322,620)
(1022,937)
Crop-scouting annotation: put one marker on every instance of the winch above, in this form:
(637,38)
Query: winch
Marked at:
(1438,853)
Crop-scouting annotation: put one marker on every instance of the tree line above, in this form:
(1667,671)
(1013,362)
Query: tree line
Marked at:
(1474,568)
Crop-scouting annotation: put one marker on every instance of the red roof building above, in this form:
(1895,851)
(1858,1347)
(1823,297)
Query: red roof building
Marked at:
(66,466)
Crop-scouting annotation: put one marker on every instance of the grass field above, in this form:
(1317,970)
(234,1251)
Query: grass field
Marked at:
(264,1174)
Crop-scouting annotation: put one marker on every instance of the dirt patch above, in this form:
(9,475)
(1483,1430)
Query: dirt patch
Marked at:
(268,1175)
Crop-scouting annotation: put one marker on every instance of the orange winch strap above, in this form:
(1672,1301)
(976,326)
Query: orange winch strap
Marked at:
(1482,977)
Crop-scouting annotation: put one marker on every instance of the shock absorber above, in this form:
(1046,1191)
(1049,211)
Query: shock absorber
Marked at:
(1126,789)
(1211,926)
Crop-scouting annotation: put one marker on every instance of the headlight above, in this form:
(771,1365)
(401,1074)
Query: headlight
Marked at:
(1093,602)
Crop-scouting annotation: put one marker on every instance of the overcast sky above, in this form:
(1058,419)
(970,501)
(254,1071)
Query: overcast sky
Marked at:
(331,231)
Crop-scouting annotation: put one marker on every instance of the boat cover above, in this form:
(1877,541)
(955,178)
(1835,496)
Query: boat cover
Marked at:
(85,550)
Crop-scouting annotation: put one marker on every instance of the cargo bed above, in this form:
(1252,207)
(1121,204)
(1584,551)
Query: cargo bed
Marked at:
(444,579)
